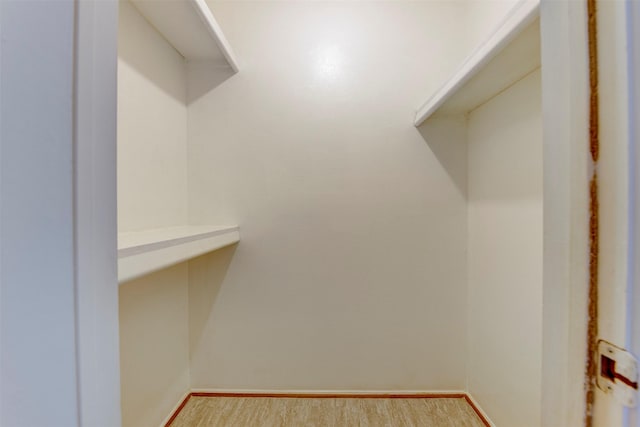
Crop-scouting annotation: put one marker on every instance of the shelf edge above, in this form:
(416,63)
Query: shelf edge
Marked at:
(175,241)
(517,20)
(215,31)
(141,264)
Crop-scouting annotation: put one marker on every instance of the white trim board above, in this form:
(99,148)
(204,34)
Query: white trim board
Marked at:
(95,212)
(632,417)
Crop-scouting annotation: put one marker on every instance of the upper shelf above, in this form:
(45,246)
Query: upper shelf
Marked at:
(189,26)
(509,54)
(144,252)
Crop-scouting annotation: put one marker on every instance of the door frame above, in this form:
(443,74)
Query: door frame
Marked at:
(632,416)
(95,209)
(59,359)
(564,50)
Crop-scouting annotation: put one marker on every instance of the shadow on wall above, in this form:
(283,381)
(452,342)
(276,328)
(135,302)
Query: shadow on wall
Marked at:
(206,275)
(203,77)
(143,49)
(446,136)
(153,344)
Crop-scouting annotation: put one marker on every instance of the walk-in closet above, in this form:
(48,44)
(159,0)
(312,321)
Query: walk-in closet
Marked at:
(330,213)
(284,227)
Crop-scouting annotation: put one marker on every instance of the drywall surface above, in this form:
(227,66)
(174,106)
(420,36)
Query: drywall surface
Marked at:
(152,192)
(152,127)
(37,284)
(351,269)
(483,16)
(154,346)
(505,254)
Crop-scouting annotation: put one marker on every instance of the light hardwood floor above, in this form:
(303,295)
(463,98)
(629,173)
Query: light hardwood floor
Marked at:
(347,412)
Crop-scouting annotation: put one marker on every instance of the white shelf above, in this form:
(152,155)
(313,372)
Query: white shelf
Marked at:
(189,26)
(144,252)
(509,54)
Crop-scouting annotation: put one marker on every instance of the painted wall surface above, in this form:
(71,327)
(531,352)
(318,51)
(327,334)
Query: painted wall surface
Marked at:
(483,16)
(350,272)
(505,254)
(152,192)
(37,284)
(152,127)
(154,346)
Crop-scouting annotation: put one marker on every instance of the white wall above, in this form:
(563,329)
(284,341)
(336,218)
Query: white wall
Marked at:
(37,305)
(152,127)
(505,254)
(483,16)
(152,192)
(351,272)
(154,339)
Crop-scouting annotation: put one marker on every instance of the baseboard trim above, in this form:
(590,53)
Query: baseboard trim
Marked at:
(478,410)
(174,413)
(343,394)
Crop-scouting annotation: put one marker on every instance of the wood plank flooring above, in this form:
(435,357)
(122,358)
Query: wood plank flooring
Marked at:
(337,412)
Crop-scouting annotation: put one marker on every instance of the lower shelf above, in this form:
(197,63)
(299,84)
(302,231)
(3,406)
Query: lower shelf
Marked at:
(143,252)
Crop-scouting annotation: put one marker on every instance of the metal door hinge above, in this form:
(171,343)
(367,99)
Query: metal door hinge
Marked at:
(618,373)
